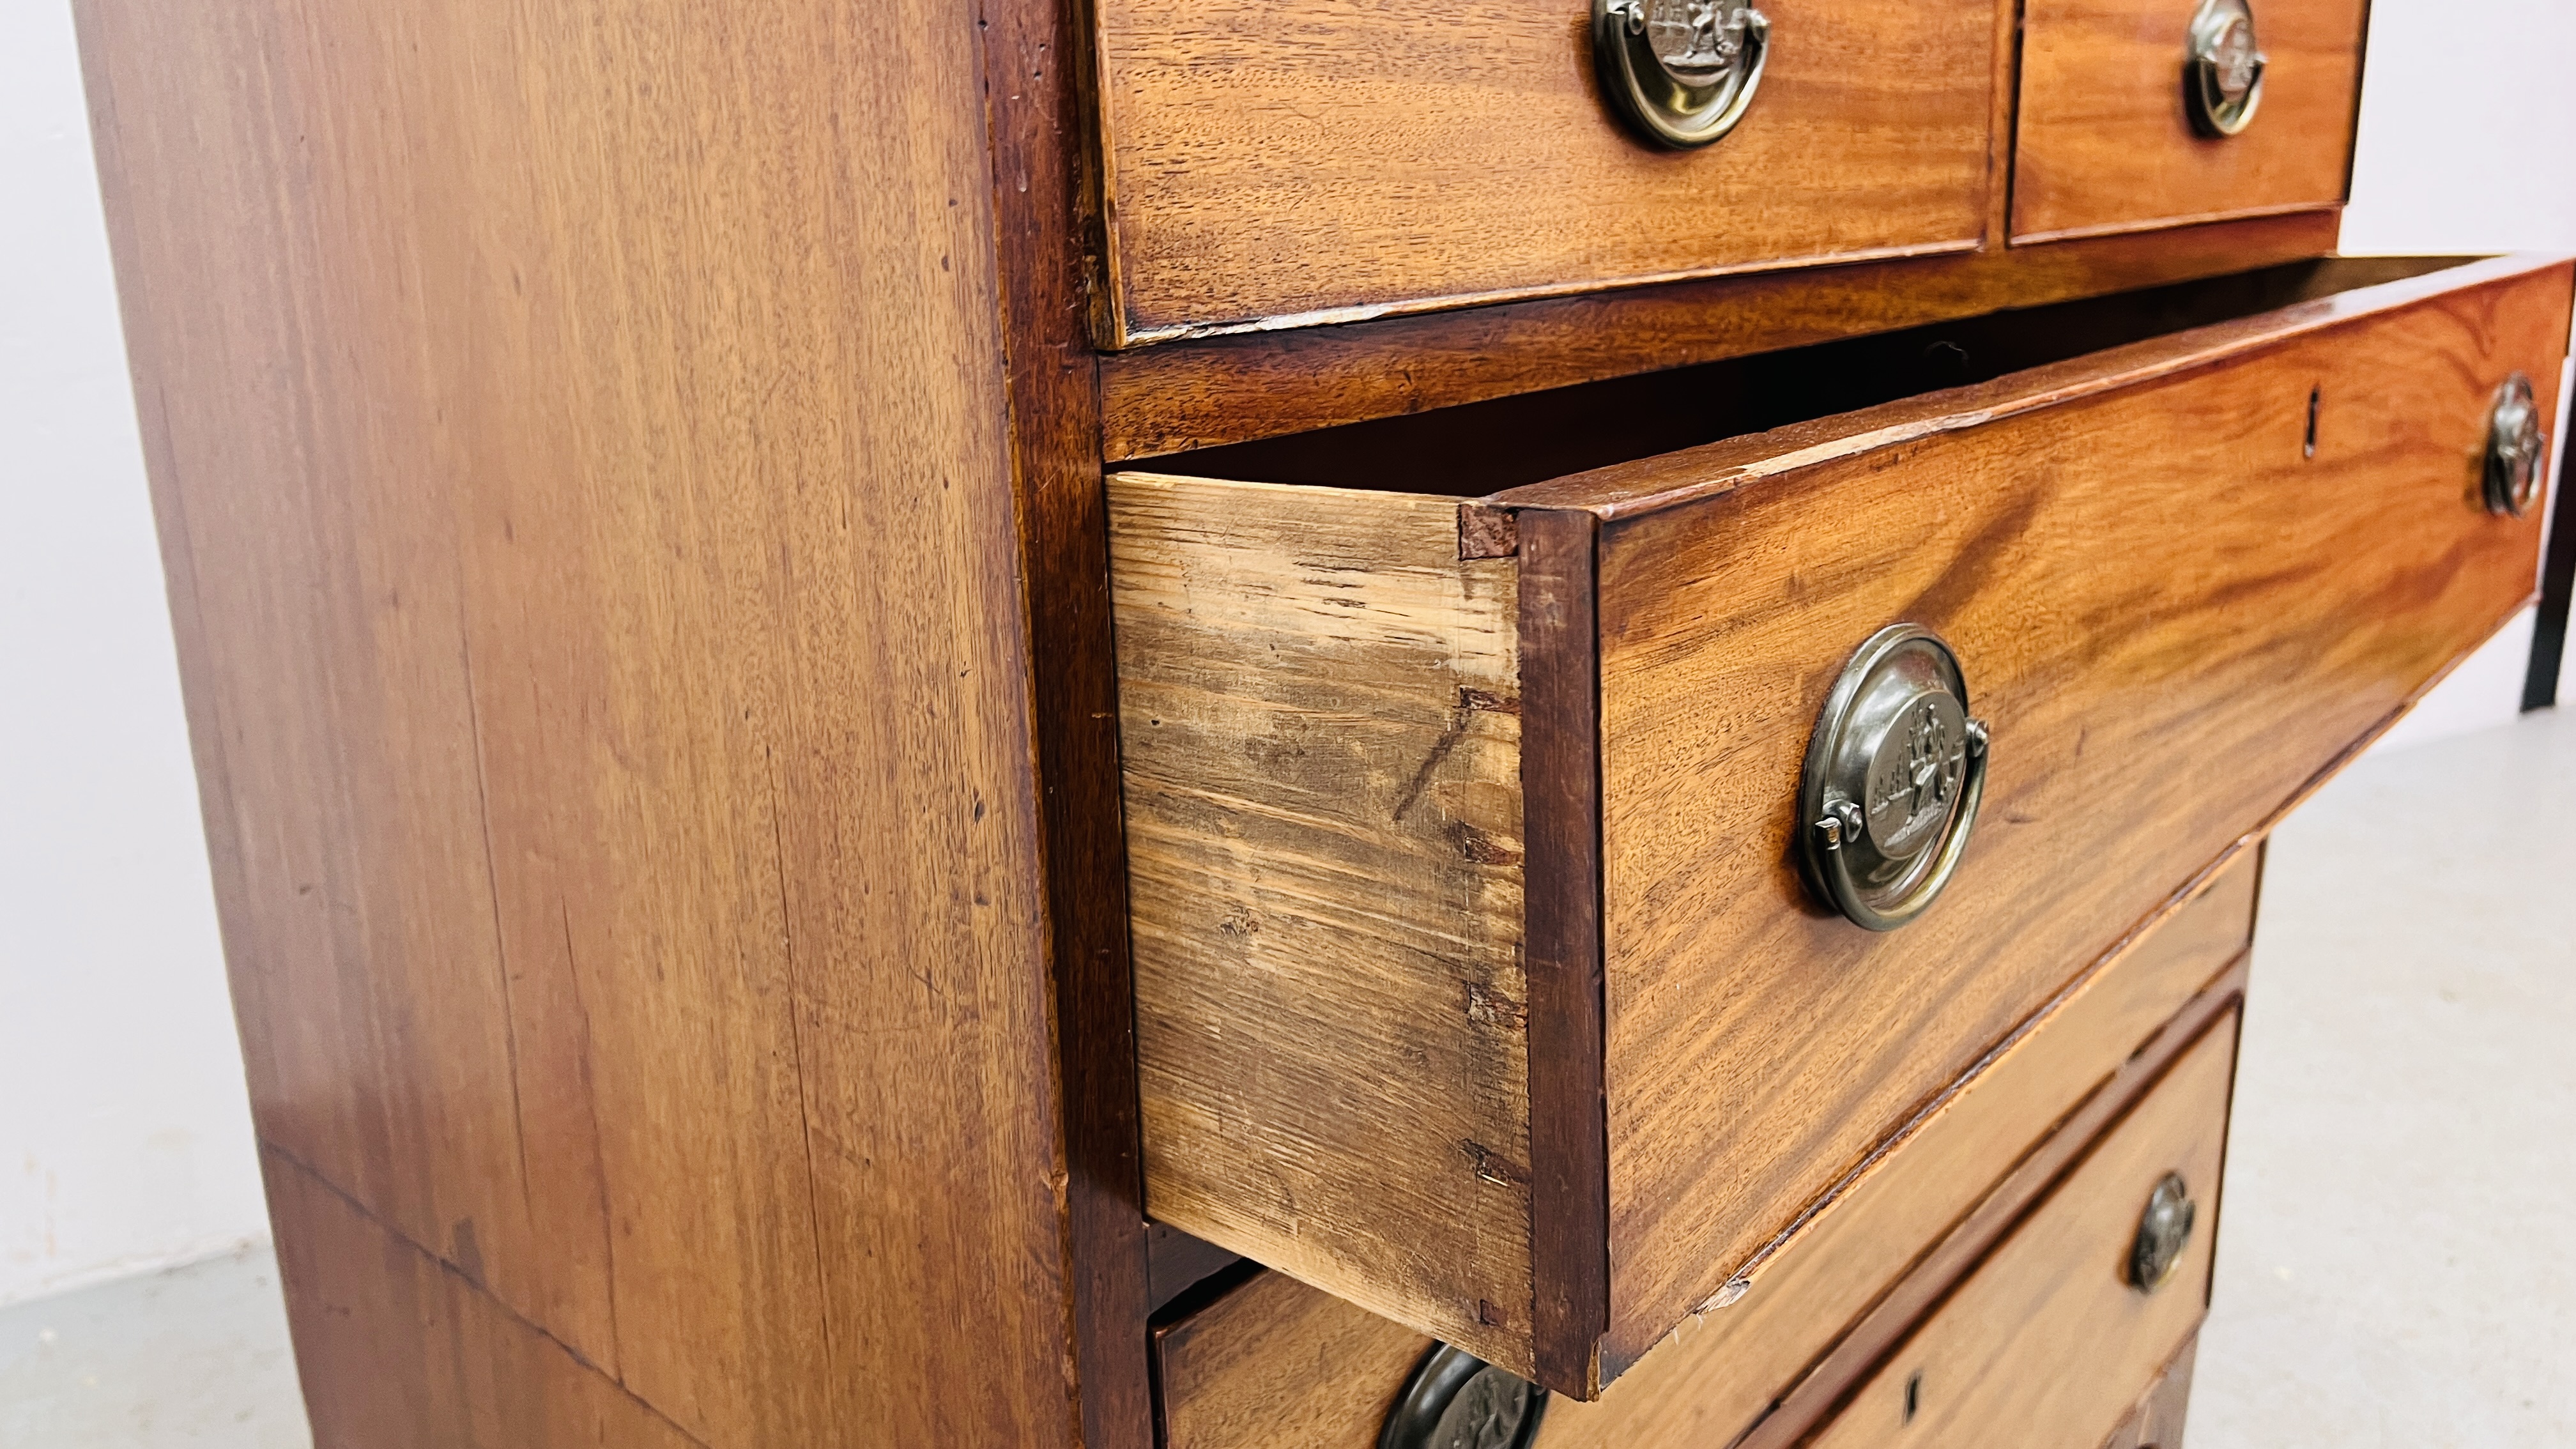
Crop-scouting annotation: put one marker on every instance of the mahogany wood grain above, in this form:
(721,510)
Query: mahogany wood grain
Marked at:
(1273,164)
(1045,186)
(1320,708)
(361,1297)
(1277,1365)
(2105,144)
(1936,1197)
(2047,1343)
(1210,391)
(1859,1351)
(2174,620)
(578,438)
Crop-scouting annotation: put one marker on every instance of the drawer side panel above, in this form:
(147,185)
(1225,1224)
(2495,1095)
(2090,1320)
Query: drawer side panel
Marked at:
(1319,717)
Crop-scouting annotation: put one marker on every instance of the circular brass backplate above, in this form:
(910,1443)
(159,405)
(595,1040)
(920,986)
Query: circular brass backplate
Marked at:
(2517,449)
(1681,72)
(2223,74)
(2163,1231)
(1895,772)
(1456,1400)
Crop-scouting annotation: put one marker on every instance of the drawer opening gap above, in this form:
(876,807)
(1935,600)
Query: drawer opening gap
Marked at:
(1479,448)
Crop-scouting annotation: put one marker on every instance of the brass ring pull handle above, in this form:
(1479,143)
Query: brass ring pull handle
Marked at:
(1680,72)
(1456,1400)
(2164,1229)
(1895,772)
(2517,449)
(2222,80)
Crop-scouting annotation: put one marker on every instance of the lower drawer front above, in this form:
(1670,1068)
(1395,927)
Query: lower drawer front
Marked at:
(1477,978)
(1271,1363)
(2051,1342)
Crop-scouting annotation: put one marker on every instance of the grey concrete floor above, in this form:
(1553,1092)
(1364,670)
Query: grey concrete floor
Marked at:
(194,1357)
(2397,1256)
(2397,1262)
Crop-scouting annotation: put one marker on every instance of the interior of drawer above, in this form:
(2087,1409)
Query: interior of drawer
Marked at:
(1480,448)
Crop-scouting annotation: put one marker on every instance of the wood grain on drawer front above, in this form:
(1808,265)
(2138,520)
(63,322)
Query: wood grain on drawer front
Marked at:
(2047,1345)
(2065,1074)
(2173,619)
(1275,161)
(2104,144)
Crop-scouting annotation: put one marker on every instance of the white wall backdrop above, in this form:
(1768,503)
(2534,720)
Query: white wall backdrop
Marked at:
(124,1139)
(124,1131)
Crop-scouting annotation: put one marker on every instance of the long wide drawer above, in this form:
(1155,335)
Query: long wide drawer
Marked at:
(1477,980)
(1268,164)
(2051,1341)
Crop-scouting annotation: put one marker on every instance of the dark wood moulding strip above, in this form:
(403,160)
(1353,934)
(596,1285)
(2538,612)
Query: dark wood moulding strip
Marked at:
(2557,587)
(1561,791)
(1036,59)
(1205,393)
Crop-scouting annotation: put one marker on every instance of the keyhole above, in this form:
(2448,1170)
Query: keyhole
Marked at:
(2315,395)
(1913,1394)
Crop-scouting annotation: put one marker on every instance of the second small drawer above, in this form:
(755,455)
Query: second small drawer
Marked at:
(1477,980)
(2151,113)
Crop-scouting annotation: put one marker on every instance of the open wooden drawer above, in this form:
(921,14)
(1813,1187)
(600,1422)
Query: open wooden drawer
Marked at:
(1477,982)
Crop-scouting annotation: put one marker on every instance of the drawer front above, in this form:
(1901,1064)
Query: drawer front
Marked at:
(1824,1306)
(2177,607)
(2052,1342)
(2107,140)
(1318,160)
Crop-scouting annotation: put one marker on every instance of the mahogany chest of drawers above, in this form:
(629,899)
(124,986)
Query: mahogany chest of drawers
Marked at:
(1277,724)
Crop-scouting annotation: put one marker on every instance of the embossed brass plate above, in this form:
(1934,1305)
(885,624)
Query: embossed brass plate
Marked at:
(2223,74)
(2517,449)
(1681,72)
(1456,1400)
(2163,1230)
(1894,774)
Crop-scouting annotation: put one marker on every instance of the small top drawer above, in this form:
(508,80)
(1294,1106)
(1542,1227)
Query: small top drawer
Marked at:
(1276,161)
(2148,113)
(1477,981)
